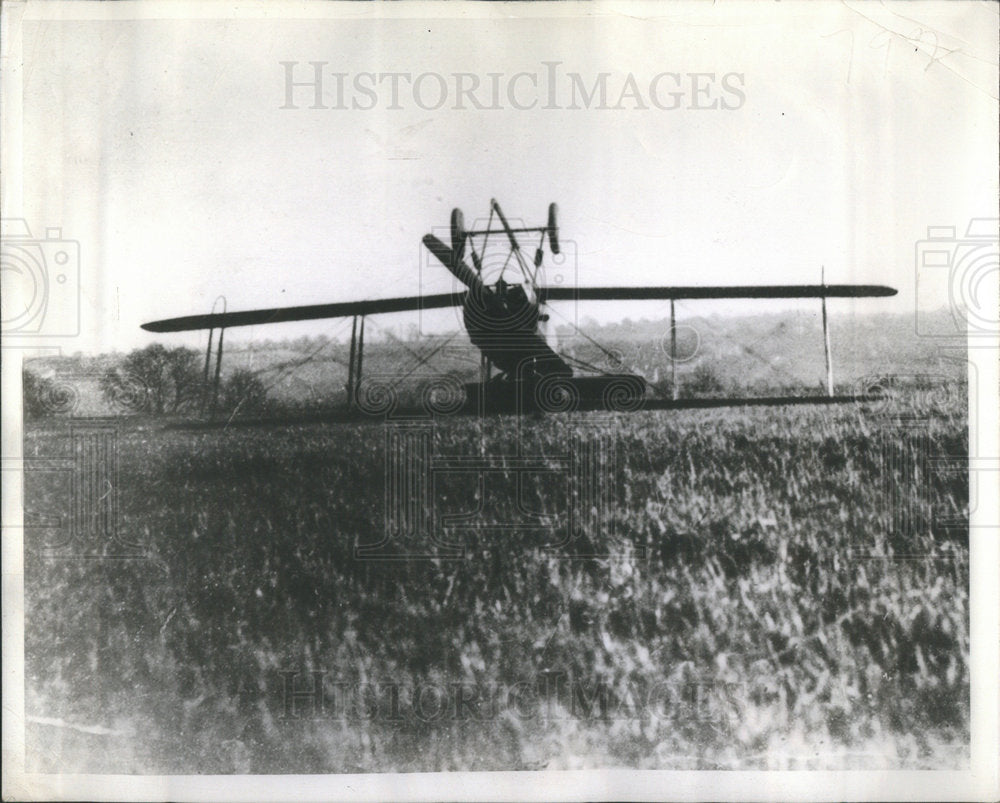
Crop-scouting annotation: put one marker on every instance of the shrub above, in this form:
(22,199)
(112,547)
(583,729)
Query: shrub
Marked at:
(243,392)
(157,379)
(702,381)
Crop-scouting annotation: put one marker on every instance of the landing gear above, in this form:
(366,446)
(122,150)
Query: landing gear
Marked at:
(557,394)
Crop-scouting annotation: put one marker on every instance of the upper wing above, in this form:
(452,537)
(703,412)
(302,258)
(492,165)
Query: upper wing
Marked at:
(305,313)
(733,291)
(374,307)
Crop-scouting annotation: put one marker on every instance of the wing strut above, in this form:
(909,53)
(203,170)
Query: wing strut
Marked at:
(204,377)
(350,363)
(361,354)
(208,362)
(826,339)
(218,373)
(355,360)
(673,354)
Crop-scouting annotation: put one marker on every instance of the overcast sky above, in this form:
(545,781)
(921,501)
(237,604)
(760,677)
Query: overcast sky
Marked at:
(833,135)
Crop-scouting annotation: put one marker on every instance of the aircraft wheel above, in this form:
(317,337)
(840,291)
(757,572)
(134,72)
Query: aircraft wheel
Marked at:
(553,228)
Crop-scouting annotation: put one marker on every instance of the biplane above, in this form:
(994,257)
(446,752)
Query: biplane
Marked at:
(504,318)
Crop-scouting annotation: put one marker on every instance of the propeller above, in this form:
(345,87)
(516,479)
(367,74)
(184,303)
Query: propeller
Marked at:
(457,266)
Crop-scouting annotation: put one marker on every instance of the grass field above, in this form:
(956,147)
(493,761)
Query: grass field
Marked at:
(767,588)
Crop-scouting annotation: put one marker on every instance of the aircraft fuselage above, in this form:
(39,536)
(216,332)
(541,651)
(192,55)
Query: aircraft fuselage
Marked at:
(503,323)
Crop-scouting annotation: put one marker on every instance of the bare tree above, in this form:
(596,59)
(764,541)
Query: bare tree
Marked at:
(157,379)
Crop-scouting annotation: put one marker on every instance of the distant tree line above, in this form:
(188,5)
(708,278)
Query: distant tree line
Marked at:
(155,380)
(161,380)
